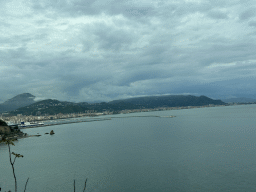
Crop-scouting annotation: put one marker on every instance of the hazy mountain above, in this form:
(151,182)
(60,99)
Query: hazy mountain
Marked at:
(50,106)
(239,100)
(170,101)
(17,102)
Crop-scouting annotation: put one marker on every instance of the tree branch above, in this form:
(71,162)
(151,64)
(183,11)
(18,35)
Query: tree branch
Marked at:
(12,163)
(26,185)
(14,160)
(85,184)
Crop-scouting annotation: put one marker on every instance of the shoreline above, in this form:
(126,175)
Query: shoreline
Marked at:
(61,123)
(16,119)
(121,112)
(25,135)
(82,121)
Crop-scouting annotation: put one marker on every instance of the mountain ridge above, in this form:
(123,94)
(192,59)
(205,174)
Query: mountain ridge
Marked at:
(53,106)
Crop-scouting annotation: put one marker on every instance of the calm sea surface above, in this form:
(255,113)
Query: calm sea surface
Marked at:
(205,149)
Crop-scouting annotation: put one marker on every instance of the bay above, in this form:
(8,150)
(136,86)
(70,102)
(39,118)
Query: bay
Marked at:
(202,149)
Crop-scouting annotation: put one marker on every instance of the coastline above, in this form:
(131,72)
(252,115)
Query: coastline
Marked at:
(16,119)
(61,123)
(82,121)
(95,115)
(98,117)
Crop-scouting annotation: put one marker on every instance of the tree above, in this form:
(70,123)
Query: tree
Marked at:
(10,142)
(3,123)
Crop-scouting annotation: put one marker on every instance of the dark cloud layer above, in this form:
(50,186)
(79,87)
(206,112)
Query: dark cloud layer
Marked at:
(80,50)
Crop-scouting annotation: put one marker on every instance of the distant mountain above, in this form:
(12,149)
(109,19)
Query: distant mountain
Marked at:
(52,107)
(170,101)
(17,102)
(239,100)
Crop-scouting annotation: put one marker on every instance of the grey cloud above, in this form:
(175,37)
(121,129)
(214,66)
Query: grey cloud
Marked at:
(90,7)
(216,14)
(103,50)
(252,23)
(112,39)
(140,74)
(76,86)
(247,14)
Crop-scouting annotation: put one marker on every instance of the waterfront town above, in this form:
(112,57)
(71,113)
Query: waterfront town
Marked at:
(19,121)
(23,109)
(16,120)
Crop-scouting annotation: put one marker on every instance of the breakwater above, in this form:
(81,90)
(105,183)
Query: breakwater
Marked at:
(66,122)
(91,120)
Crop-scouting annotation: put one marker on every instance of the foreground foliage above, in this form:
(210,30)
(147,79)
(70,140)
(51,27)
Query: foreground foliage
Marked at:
(6,140)
(9,142)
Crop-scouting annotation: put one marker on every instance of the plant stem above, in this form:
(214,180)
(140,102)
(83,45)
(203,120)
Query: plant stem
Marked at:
(74,185)
(12,163)
(85,184)
(26,185)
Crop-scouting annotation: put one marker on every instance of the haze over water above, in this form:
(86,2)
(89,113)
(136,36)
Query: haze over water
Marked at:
(205,149)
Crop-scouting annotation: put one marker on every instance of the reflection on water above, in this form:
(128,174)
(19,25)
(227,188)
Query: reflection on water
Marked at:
(209,149)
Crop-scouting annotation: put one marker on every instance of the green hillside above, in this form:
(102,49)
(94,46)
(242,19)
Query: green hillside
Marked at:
(51,107)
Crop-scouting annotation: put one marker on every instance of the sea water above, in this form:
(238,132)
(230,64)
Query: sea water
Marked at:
(202,149)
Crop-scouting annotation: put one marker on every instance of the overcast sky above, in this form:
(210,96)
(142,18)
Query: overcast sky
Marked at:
(88,50)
